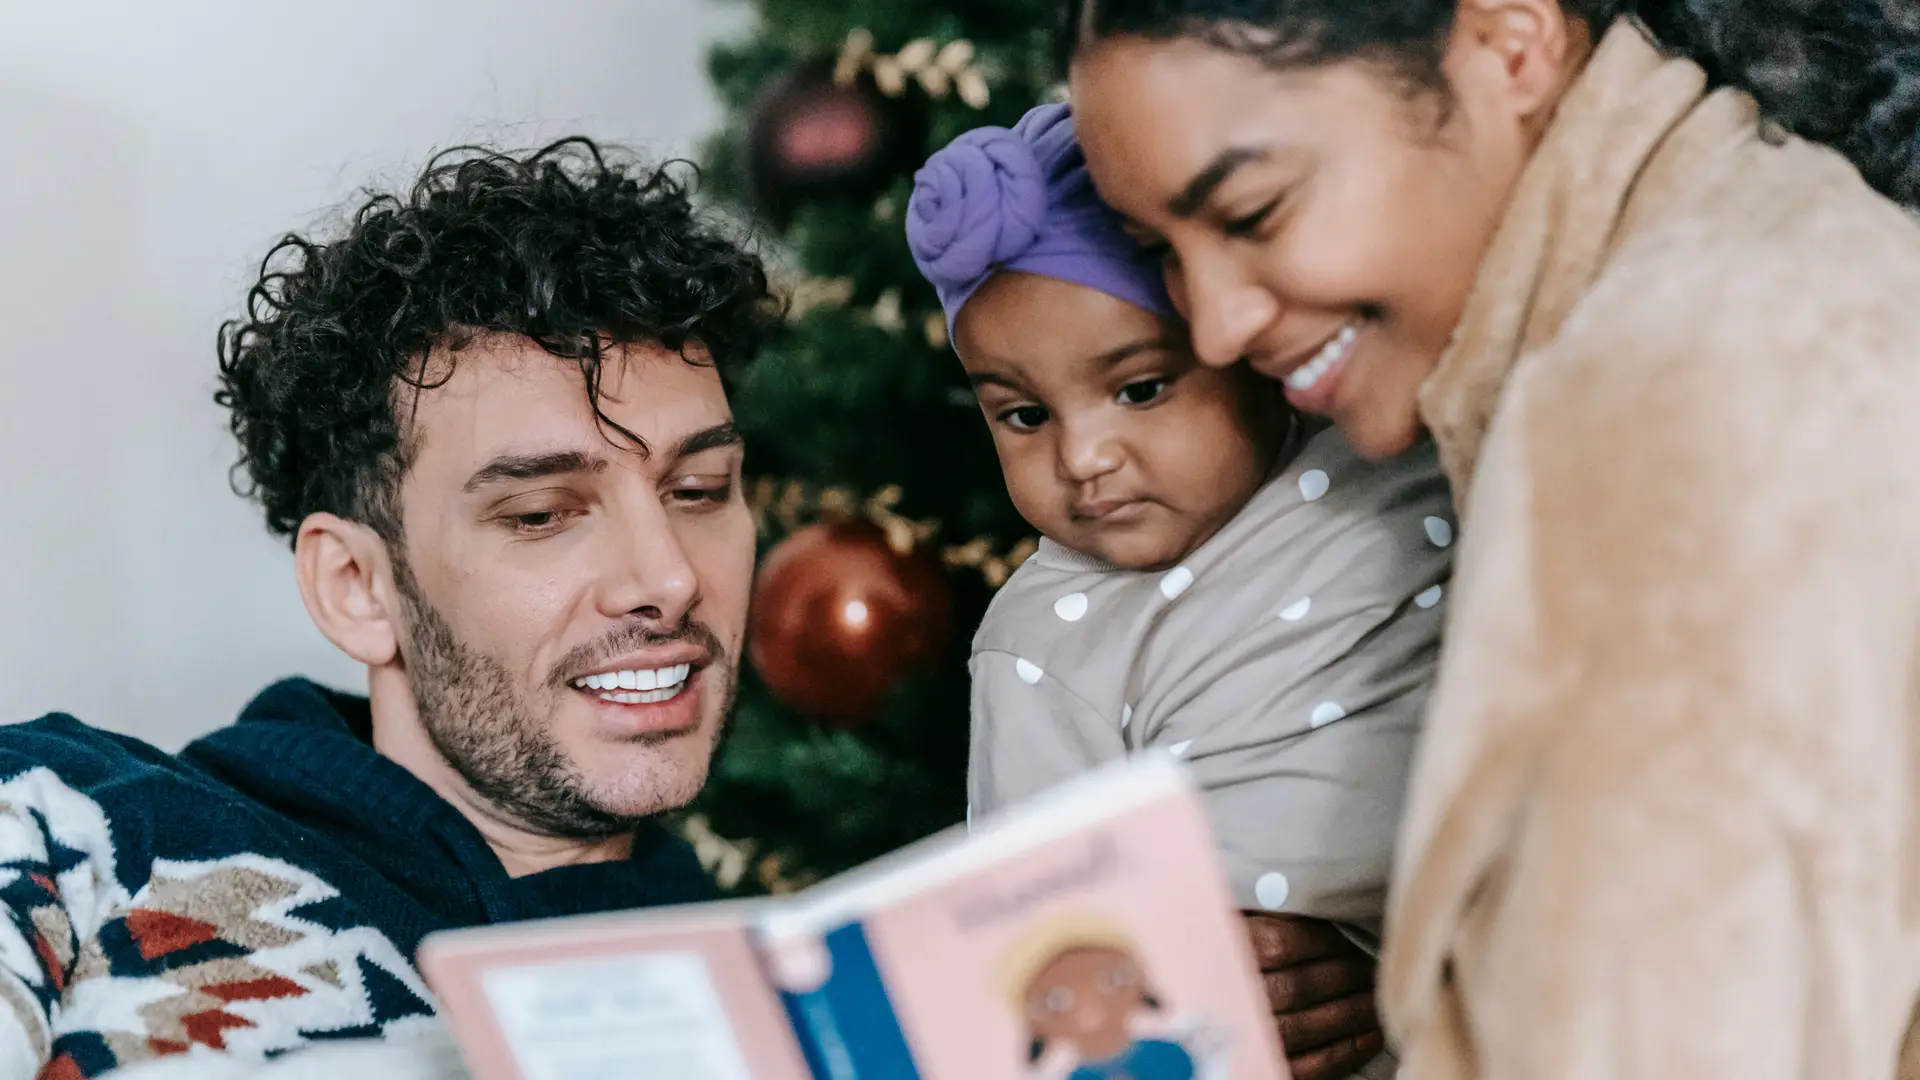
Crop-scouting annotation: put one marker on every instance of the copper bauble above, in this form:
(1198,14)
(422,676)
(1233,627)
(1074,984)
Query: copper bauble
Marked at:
(809,137)
(839,618)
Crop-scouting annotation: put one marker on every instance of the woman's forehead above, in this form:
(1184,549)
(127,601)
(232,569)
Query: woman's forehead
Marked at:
(1165,123)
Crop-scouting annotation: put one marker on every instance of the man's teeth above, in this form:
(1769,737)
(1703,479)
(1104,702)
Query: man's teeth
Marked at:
(1330,354)
(638,687)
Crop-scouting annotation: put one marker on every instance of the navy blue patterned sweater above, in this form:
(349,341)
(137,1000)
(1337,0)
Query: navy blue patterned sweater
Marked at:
(264,889)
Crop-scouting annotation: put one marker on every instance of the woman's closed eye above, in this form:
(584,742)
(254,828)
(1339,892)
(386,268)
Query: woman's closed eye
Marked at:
(1155,247)
(1248,225)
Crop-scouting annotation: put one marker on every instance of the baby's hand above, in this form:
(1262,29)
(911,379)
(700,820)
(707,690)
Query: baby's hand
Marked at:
(1320,986)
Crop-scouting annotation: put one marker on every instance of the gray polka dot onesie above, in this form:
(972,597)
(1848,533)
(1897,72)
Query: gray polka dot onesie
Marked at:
(1287,661)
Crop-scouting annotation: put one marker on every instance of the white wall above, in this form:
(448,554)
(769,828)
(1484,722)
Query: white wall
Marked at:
(150,152)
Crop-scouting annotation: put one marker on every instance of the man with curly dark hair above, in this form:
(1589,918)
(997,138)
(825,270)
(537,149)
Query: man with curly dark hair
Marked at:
(490,416)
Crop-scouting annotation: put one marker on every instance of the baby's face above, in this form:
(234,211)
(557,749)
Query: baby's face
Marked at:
(1115,442)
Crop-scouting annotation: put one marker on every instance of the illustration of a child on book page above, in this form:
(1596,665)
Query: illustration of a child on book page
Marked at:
(1092,1013)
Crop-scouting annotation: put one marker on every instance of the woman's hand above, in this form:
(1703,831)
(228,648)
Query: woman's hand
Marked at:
(1320,986)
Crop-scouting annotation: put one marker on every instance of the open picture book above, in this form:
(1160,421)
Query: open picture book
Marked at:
(1087,935)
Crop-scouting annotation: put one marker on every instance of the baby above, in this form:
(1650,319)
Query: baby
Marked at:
(1219,578)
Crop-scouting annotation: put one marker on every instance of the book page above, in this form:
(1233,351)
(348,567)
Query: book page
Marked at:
(615,1018)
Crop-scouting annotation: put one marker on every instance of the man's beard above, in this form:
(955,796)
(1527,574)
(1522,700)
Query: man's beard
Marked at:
(500,742)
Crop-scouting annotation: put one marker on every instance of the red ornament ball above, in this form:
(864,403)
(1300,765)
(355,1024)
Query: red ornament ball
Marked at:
(839,618)
(810,138)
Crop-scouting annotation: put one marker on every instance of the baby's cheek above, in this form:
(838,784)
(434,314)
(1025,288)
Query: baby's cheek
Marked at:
(1033,486)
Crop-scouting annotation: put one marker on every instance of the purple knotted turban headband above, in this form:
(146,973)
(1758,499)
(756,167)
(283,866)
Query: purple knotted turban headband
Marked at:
(995,200)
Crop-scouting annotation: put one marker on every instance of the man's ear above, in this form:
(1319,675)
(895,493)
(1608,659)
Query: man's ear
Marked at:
(346,580)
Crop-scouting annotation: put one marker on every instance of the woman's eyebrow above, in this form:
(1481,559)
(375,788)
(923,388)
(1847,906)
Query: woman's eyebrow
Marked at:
(1201,187)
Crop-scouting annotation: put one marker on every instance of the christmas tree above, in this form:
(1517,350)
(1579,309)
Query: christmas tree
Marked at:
(885,525)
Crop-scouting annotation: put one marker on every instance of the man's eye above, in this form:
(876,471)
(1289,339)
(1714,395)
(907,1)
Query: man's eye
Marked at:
(703,494)
(535,522)
(1142,392)
(1024,417)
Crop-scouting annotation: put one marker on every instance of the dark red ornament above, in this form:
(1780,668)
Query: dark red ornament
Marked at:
(809,137)
(839,618)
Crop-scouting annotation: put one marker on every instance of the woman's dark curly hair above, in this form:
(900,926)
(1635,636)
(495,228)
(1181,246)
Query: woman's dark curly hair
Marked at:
(565,246)
(1842,72)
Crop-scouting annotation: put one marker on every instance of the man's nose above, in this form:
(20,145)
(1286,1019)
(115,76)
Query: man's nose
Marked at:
(649,573)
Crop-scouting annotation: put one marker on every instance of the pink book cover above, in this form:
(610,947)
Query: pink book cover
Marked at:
(1089,936)
(674,993)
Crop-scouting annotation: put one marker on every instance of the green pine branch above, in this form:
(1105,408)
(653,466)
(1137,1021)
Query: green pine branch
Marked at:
(837,400)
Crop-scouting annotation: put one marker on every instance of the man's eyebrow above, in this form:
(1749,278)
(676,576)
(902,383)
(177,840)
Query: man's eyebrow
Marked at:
(713,438)
(1202,187)
(508,467)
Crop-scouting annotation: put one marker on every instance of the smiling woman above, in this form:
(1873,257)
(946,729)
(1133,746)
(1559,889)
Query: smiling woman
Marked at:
(1665,351)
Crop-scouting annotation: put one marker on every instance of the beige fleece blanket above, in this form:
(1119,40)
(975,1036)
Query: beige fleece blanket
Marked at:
(1663,823)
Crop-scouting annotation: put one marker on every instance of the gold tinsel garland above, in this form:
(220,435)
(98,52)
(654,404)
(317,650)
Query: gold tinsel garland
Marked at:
(939,69)
(729,861)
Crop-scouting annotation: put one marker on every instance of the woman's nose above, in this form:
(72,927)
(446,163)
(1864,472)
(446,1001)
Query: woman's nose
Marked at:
(1226,310)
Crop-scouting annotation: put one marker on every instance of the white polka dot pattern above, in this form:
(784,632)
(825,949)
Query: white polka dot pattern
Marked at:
(1326,713)
(1271,890)
(1313,484)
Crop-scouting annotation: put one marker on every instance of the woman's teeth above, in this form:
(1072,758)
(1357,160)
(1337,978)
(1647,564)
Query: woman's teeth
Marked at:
(638,687)
(1330,354)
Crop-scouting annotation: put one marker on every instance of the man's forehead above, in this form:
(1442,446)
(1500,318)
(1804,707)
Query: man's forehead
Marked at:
(509,396)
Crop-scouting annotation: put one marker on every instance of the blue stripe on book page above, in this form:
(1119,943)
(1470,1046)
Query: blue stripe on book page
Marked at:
(847,1027)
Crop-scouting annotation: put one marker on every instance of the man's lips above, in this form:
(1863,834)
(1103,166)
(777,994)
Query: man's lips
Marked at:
(657,663)
(670,707)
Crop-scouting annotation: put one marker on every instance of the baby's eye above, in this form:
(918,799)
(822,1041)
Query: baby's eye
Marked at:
(1024,417)
(1142,392)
